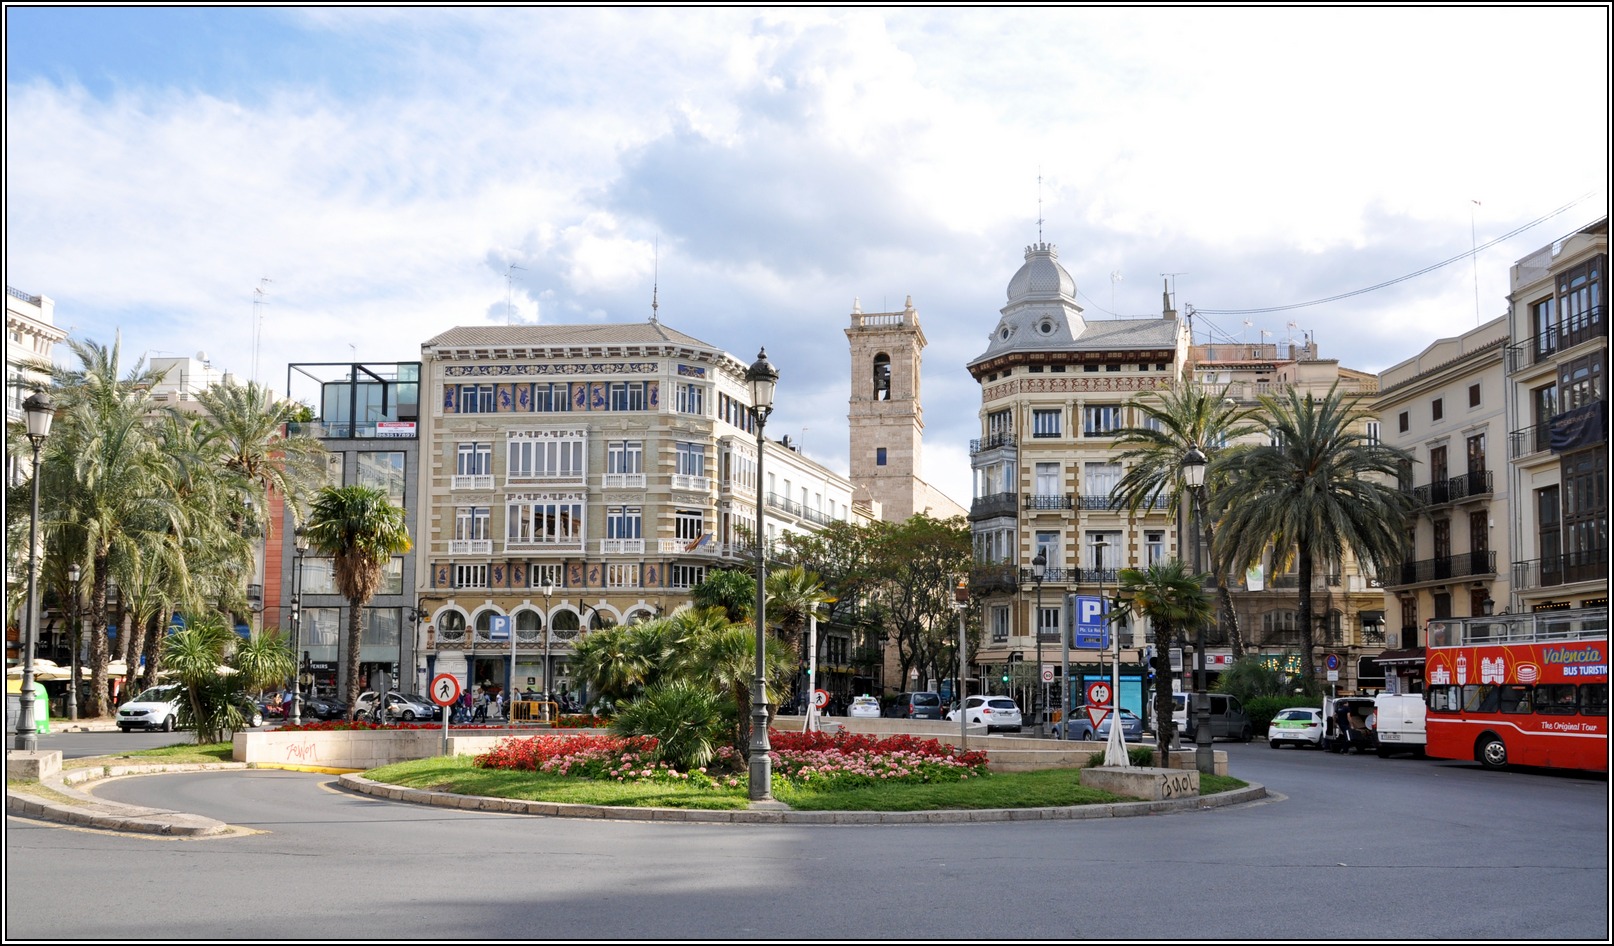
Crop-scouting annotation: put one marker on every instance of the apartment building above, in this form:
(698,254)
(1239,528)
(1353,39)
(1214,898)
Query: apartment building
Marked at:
(1347,599)
(580,476)
(31,336)
(1447,408)
(1055,388)
(1557,414)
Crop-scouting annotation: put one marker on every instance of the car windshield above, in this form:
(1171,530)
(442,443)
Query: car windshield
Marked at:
(156,695)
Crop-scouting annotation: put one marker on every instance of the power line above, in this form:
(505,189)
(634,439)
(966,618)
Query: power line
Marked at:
(1399,279)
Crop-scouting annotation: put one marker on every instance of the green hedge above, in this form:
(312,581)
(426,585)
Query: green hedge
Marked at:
(1263,708)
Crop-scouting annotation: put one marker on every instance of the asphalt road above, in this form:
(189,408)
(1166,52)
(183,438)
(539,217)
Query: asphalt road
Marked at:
(1354,847)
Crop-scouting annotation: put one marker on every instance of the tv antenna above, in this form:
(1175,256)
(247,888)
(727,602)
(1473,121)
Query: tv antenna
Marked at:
(509,292)
(259,294)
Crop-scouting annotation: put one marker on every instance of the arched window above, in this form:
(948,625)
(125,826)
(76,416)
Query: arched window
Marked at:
(528,624)
(882,377)
(640,615)
(451,626)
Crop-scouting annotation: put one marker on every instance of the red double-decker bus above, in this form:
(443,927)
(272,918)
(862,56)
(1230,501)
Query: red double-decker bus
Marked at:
(1522,689)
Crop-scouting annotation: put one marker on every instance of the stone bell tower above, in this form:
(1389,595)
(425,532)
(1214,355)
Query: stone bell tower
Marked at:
(884,415)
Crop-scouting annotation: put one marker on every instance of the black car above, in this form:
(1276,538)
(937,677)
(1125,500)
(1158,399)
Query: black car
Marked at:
(319,707)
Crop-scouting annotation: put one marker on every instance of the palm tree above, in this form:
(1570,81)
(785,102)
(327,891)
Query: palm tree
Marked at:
(1320,489)
(795,597)
(216,668)
(361,530)
(1171,599)
(1178,421)
(102,481)
(612,661)
(727,661)
(247,424)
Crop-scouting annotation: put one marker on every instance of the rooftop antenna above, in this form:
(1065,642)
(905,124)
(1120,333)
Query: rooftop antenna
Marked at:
(1170,282)
(354,351)
(509,275)
(1039,213)
(258,300)
(1473,242)
(655,281)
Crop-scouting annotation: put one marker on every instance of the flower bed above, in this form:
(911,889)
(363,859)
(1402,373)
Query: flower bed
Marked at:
(352,725)
(853,760)
(817,759)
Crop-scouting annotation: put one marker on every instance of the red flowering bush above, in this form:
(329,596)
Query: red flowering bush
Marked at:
(582,721)
(609,758)
(350,725)
(852,760)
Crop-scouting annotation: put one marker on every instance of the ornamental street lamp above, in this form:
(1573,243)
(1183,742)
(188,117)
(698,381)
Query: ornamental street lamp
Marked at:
(961,602)
(1039,571)
(41,411)
(1193,477)
(762,377)
(549,590)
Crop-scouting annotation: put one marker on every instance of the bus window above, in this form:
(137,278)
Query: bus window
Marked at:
(1513,699)
(1479,698)
(1556,699)
(1594,699)
(1445,699)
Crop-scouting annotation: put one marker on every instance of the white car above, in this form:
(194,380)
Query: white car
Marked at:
(1297,725)
(156,708)
(405,707)
(996,713)
(864,707)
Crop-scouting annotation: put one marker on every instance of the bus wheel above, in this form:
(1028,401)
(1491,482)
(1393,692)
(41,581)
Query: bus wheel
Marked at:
(1492,753)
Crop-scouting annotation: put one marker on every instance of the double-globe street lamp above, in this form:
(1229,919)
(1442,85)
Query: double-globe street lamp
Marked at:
(73,575)
(41,411)
(1193,477)
(300,546)
(762,377)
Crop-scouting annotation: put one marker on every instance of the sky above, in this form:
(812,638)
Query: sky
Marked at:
(393,173)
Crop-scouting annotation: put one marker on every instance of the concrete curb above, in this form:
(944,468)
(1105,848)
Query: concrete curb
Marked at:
(91,812)
(515,806)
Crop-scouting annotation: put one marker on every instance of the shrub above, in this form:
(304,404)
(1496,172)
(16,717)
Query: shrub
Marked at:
(686,719)
(1262,709)
(1140,756)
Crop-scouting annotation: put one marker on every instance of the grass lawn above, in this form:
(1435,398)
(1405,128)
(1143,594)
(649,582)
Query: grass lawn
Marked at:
(184,753)
(1050,788)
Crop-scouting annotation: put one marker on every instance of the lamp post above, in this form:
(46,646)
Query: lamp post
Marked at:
(300,545)
(961,601)
(549,590)
(1193,477)
(762,377)
(1039,570)
(40,413)
(73,574)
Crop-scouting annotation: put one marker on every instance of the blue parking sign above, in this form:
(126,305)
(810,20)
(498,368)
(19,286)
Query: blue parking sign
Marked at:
(499,627)
(1092,629)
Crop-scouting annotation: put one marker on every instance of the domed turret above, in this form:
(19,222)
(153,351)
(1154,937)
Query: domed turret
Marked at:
(1041,278)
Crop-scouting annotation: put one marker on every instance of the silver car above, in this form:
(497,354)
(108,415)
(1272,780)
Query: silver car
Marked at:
(405,707)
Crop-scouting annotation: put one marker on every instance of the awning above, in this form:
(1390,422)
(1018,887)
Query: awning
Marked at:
(1409,655)
(1371,617)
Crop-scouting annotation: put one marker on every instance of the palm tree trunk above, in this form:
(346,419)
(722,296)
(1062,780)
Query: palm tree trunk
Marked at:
(136,644)
(1308,635)
(352,687)
(96,706)
(1230,620)
(126,632)
(153,652)
(1162,691)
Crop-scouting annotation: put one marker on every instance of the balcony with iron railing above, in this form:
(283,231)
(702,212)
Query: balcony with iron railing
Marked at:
(775,501)
(1286,582)
(993,579)
(1042,501)
(1465,565)
(1528,440)
(992,442)
(1544,346)
(1473,485)
(994,506)
(1568,568)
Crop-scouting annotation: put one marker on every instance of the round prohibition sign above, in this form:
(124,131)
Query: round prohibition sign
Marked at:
(820,698)
(445,689)
(1098,694)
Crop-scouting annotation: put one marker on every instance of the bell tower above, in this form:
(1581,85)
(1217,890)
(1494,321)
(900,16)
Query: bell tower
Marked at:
(884,415)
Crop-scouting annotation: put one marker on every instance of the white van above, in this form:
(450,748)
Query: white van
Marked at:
(1400,723)
(1227,717)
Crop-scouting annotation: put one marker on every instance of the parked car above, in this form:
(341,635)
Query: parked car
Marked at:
(320,707)
(1131,726)
(996,713)
(864,707)
(158,708)
(923,704)
(404,707)
(1227,717)
(1297,726)
(154,708)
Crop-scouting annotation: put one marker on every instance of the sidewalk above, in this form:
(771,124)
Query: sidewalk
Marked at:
(99,724)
